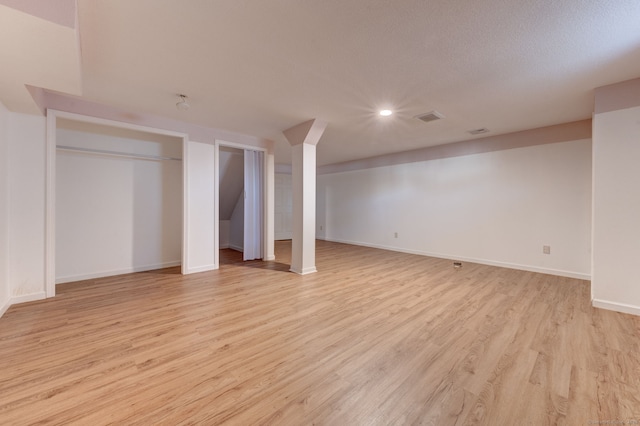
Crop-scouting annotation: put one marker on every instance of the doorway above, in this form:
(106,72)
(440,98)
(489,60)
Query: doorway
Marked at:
(231,199)
(241,203)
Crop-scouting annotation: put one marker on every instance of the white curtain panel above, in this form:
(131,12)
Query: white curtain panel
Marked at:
(253,187)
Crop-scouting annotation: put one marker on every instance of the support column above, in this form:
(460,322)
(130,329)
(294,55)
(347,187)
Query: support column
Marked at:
(303,139)
(615,233)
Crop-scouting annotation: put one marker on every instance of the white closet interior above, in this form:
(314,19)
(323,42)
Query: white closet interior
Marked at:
(118,201)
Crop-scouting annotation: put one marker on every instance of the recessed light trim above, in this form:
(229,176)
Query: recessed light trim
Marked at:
(385,112)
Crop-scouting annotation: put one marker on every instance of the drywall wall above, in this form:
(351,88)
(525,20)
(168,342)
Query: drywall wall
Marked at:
(236,225)
(4,211)
(496,208)
(231,178)
(200,207)
(283,206)
(26,135)
(116,214)
(616,209)
(224,230)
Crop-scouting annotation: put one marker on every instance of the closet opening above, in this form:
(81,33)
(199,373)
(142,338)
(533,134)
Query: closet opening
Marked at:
(117,197)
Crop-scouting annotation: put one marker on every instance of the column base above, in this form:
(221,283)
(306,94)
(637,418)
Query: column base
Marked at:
(304,271)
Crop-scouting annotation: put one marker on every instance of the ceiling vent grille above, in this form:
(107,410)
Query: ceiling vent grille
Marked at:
(479,131)
(430,116)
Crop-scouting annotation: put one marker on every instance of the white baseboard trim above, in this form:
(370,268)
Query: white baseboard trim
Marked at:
(204,268)
(272,257)
(558,272)
(111,273)
(23,298)
(223,246)
(283,236)
(4,307)
(304,271)
(614,306)
(236,248)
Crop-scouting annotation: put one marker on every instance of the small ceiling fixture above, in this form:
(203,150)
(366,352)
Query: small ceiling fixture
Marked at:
(182,104)
(479,131)
(385,112)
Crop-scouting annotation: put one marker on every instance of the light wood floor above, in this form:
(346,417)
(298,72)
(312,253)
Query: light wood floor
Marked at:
(374,338)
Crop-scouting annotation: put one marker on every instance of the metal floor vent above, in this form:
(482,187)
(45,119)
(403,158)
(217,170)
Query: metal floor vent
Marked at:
(430,116)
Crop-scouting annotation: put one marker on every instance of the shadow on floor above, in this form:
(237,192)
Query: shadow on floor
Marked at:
(283,252)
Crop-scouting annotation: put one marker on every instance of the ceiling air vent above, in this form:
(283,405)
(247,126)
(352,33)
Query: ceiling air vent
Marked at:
(479,131)
(430,116)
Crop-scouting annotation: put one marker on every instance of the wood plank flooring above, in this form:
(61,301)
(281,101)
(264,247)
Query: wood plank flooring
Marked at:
(373,338)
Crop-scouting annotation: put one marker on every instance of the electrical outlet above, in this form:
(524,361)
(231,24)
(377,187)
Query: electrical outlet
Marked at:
(395,235)
(321,227)
(546,249)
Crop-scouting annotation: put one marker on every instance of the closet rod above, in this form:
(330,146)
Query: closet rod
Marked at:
(116,153)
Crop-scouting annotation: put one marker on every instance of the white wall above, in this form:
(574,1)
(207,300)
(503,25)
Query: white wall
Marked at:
(496,208)
(616,207)
(4,211)
(283,206)
(224,230)
(22,192)
(236,225)
(200,207)
(116,215)
(27,146)
(231,179)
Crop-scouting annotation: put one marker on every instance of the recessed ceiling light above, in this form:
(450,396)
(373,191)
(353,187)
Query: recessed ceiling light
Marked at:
(386,112)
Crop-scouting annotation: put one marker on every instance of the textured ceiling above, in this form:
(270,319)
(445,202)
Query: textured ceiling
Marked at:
(258,67)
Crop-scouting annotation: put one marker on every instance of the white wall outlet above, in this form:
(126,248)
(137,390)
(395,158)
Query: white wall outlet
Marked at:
(546,249)
(321,227)
(395,235)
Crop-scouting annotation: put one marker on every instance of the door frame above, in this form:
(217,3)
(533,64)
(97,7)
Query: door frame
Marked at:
(50,184)
(267,254)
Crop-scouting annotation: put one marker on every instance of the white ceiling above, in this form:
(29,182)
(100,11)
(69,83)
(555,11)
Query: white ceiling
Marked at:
(259,67)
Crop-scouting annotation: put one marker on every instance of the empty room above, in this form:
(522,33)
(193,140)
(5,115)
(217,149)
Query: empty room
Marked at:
(332,213)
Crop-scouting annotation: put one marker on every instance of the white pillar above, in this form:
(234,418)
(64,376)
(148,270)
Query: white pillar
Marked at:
(616,198)
(303,139)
